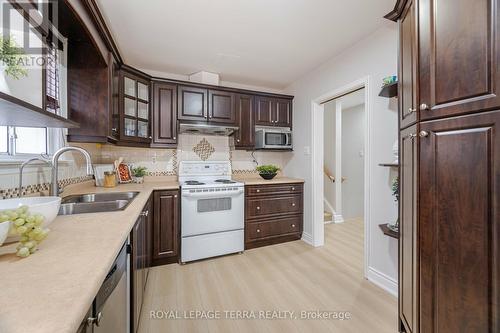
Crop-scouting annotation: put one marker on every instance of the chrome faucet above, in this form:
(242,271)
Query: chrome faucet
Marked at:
(39,159)
(54,188)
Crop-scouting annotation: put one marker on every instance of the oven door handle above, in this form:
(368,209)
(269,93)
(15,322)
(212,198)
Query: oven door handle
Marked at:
(221,194)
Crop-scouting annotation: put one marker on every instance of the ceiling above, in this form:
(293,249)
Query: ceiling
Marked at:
(268,43)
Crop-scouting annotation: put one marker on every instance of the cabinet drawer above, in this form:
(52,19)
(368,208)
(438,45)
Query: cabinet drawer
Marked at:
(274,189)
(272,228)
(269,206)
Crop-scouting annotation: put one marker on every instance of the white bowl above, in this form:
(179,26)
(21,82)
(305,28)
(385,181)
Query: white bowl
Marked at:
(46,206)
(4,231)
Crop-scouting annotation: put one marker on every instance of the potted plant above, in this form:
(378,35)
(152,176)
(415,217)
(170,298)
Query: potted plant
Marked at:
(395,194)
(139,173)
(267,171)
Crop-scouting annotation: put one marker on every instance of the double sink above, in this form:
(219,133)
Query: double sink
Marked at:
(96,202)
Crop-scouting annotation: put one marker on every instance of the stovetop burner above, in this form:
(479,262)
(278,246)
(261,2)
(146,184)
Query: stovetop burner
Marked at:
(225,181)
(194,182)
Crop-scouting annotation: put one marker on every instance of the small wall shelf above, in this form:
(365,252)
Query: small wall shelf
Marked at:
(388,232)
(389,90)
(389,165)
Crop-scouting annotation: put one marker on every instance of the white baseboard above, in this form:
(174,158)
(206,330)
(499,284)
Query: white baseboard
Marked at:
(307,238)
(383,281)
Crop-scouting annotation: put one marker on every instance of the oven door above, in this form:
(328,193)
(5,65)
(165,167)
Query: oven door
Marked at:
(211,210)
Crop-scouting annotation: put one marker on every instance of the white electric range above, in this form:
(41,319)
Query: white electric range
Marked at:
(212,210)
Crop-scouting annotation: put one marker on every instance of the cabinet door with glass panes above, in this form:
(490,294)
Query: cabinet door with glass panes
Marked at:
(134,115)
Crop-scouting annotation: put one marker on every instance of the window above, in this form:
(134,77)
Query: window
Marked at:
(23,140)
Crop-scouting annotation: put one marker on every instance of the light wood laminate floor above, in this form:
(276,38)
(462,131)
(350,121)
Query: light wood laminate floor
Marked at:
(286,277)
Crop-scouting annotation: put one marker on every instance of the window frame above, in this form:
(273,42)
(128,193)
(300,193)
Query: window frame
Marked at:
(54,141)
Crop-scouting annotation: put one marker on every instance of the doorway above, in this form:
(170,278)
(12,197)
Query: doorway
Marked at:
(317,161)
(344,146)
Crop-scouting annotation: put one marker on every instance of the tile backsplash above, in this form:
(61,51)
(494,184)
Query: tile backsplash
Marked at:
(159,162)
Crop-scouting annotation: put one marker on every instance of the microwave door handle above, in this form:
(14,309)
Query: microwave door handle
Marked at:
(287,135)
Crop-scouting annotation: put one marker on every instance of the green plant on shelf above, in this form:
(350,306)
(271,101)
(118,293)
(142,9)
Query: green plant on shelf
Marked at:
(267,169)
(139,171)
(13,58)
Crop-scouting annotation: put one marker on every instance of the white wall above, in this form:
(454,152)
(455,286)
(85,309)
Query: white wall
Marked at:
(374,56)
(329,151)
(353,146)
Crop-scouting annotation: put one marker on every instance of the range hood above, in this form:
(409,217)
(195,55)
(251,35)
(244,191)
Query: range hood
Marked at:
(207,129)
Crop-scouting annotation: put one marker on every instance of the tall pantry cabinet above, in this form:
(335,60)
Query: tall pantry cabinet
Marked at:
(449,105)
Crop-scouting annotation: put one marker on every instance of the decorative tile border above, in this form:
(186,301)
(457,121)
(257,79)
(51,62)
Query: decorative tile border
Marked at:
(37,188)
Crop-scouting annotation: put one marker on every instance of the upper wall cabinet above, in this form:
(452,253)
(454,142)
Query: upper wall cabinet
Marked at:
(408,66)
(28,83)
(271,111)
(214,106)
(244,138)
(193,103)
(164,115)
(221,107)
(135,103)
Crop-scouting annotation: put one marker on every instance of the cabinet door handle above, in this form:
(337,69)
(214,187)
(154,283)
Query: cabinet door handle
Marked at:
(411,136)
(258,191)
(258,208)
(293,225)
(150,137)
(411,110)
(145,213)
(237,140)
(423,134)
(175,195)
(293,204)
(293,188)
(258,230)
(424,107)
(175,138)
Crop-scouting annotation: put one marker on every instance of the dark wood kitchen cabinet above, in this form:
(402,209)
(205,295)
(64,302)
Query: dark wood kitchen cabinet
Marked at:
(408,275)
(459,57)
(271,111)
(166,230)
(449,244)
(221,107)
(273,214)
(459,224)
(135,103)
(164,115)
(408,66)
(193,103)
(244,137)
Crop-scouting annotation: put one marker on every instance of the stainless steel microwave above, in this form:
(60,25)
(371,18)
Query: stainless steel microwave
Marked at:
(273,138)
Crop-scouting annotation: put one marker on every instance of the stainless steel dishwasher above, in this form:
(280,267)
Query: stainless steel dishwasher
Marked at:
(110,310)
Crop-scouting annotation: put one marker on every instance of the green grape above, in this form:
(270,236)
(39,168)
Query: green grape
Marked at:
(30,219)
(37,231)
(33,249)
(30,244)
(24,239)
(4,217)
(13,215)
(19,222)
(23,252)
(23,216)
(29,225)
(38,217)
(21,230)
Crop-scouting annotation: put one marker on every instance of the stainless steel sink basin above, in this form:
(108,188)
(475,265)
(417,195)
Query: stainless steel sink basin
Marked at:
(96,202)
(99,197)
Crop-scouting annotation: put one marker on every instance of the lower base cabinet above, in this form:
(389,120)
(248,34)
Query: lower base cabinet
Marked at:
(273,214)
(450,225)
(166,230)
